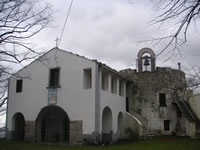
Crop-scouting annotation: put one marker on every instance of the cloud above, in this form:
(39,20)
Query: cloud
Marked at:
(109,30)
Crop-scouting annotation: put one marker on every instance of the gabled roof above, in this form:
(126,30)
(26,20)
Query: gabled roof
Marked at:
(83,57)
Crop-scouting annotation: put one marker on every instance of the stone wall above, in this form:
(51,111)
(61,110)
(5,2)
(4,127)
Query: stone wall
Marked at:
(144,96)
(29,131)
(76,132)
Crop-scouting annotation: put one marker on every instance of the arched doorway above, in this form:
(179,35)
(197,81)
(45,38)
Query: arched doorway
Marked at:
(52,125)
(107,125)
(18,124)
(120,125)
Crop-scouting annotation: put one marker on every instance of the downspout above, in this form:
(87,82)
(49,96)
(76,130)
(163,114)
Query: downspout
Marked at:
(97,101)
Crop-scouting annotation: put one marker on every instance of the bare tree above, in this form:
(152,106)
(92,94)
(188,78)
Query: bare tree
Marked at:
(19,21)
(181,13)
(193,77)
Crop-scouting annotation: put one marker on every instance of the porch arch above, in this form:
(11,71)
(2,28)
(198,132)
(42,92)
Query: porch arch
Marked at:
(52,125)
(18,126)
(107,125)
(120,124)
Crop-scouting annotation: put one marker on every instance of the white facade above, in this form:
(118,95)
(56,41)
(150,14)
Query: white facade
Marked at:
(63,97)
(79,102)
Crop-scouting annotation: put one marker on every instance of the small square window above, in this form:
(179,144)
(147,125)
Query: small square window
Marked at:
(19,86)
(87,73)
(54,77)
(162,100)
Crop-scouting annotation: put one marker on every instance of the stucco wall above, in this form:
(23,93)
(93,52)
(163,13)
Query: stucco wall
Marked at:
(35,93)
(194,102)
(114,101)
(133,127)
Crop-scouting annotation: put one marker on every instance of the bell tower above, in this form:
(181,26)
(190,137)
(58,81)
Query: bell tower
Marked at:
(146,60)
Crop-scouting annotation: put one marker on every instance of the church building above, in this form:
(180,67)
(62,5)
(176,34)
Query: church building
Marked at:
(66,98)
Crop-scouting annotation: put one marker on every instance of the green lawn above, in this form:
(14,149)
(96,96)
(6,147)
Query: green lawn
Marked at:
(159,143)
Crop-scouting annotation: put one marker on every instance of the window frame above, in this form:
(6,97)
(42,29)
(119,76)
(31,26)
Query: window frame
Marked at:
(58,82)
(19,85)
(162,100)
(113,84)
(85,84)
(121,88)
(166,125)
(104,81)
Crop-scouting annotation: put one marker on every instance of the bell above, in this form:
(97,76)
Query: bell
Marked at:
(146,61)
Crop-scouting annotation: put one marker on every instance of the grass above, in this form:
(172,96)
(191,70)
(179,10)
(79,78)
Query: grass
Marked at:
(158,143)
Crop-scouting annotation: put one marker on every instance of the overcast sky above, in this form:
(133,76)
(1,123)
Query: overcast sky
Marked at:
(108,30)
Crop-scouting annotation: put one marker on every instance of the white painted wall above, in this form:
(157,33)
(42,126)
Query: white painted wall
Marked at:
(115,102)
(77,102)
(194,102)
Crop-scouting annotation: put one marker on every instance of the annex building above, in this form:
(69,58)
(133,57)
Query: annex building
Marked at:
(67,98)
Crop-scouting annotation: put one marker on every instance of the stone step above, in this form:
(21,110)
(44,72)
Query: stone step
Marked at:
(198,127)
(146,137)
(180,134)
(197,131)
(146,134)
(197,136)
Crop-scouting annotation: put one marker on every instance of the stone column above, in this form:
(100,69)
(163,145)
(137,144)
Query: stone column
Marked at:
(29,131)
(76,132)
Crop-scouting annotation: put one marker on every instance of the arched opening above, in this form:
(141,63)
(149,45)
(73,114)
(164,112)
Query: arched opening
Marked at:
(146,60)
(18,124)
(52,125)
(120,124)
(107,125)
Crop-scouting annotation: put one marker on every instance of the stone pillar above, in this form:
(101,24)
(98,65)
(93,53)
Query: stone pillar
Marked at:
(29,131)
(76,132)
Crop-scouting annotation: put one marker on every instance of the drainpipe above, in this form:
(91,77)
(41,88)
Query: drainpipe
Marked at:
(97,99)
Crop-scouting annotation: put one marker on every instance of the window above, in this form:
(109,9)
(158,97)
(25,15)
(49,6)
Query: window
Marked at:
(127,105)
(166,125)
(104,81)
(54,77)
(114,85)
(121,88)
(162,100)
(19,86)
(87,83)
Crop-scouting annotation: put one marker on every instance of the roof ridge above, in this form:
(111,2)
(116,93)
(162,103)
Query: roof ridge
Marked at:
(71,53)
